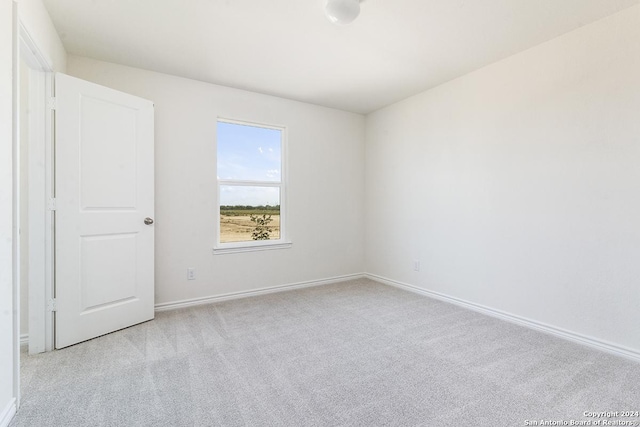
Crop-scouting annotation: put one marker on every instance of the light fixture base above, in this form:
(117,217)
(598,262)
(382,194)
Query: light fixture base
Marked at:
(342,12)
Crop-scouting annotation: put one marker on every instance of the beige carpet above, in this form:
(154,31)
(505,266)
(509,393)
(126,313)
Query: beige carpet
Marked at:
(351,354)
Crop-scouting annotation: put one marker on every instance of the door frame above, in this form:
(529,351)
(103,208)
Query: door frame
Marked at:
(41,191)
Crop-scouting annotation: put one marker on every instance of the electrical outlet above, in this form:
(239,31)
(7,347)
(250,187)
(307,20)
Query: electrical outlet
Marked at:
(416,265)
(191,274)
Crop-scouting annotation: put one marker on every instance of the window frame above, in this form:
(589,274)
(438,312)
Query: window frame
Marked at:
(254,245)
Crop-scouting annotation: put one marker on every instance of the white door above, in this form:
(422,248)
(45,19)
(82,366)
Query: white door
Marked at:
(104,210)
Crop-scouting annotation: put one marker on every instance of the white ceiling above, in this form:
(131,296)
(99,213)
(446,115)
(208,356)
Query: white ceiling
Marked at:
(287,48)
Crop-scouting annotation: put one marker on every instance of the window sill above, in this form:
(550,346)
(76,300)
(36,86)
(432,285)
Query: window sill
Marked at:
(220,250)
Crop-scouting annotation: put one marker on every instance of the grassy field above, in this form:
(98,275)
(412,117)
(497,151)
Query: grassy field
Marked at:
(236,225)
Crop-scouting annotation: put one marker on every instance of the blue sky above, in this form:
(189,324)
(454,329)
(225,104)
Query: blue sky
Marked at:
(248,153)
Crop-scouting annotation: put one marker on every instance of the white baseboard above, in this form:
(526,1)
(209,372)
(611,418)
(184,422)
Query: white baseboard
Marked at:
(559,332)
(7,413)
(24,340)
(262,291)
(532,324)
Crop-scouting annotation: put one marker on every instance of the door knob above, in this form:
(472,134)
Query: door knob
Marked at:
(148,221)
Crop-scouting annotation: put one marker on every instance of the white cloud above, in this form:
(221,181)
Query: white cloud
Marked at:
(260,150)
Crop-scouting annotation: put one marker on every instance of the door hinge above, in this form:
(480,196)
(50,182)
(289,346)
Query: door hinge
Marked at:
(52,305)
(51,205)
(52,103)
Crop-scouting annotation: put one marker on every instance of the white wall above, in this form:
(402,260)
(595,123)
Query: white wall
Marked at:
(325,193)
(6,216)
(516,186)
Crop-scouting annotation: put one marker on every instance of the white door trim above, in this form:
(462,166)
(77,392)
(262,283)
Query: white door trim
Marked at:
(41,284)
(15,171)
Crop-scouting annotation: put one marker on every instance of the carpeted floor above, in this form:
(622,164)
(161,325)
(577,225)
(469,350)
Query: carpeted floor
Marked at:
(356,353)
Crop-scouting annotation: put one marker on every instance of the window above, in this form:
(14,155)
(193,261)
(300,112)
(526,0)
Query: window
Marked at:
(251,189)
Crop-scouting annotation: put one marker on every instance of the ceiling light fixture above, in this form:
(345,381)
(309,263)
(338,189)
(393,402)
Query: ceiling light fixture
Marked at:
(342,12)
